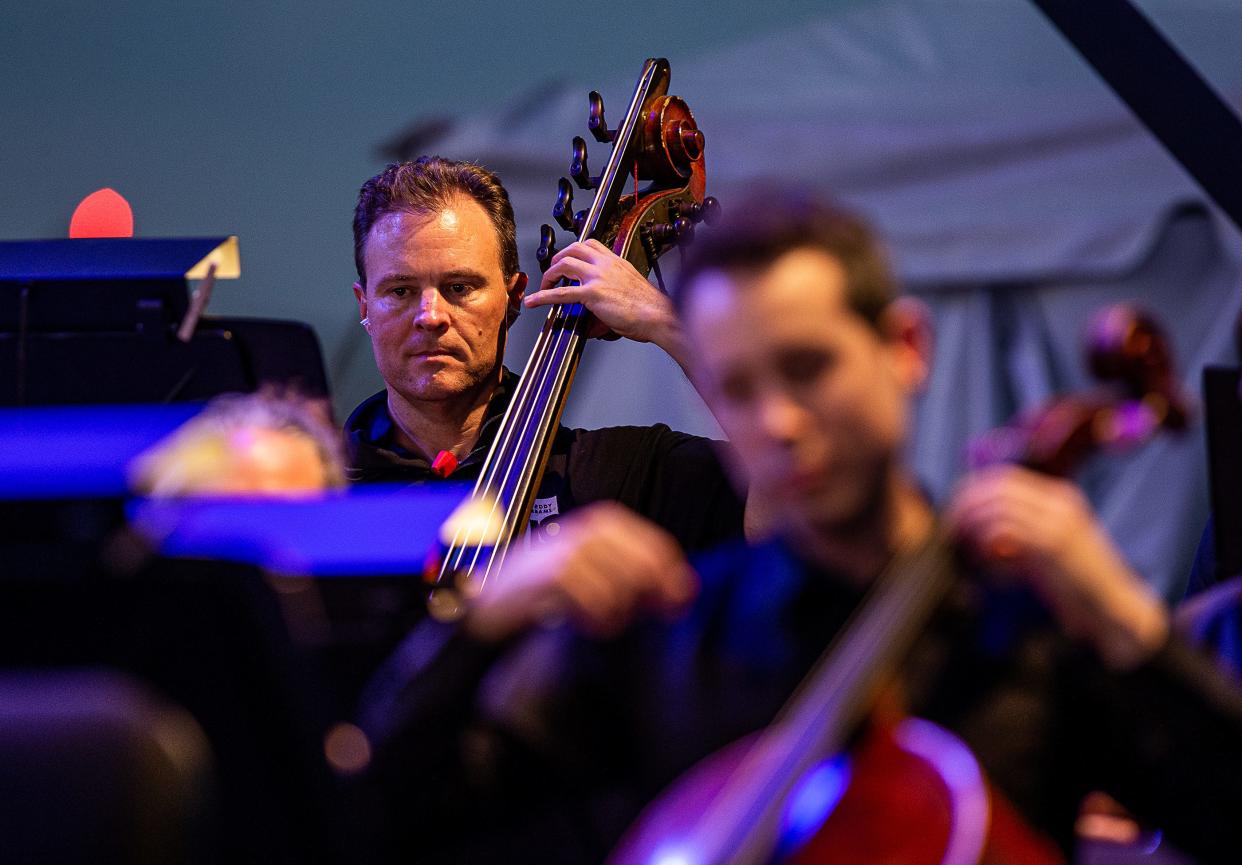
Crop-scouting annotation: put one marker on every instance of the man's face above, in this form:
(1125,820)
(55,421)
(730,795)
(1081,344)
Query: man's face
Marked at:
(812,397)
(436,300)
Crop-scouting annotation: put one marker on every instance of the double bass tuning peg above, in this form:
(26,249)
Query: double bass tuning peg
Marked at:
(596,122)
(563,211)
(680,231)
(547,247)
(707,210)
(578,166)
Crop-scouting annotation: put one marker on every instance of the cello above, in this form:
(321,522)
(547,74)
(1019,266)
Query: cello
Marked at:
(657,144)
(907,791)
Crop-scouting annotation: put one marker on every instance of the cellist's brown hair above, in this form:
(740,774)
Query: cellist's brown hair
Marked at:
(758,229)
(429,184)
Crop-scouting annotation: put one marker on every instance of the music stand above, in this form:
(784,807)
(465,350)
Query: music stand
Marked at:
(91,321)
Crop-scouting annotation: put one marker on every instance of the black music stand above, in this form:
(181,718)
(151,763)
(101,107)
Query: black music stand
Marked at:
(90,321)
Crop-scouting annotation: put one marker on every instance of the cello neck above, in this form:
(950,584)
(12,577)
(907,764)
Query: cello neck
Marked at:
(828,706)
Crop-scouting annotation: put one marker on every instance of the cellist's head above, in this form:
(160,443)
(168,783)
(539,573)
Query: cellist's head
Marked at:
(805,354)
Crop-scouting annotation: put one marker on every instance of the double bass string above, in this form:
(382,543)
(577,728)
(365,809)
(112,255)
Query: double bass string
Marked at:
(516,408)
(514,421)
(534,398)
(561,365)
(534,392)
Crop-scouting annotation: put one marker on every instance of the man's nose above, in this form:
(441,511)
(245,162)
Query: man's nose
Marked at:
(431,314)
(780,417)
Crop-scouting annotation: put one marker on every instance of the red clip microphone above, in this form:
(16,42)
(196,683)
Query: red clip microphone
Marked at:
(444,464)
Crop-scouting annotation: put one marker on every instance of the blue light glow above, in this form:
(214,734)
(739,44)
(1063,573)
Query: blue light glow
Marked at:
(368,530)
(812,800)
(53,452)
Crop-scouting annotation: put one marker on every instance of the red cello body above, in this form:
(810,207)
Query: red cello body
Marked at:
(908,793)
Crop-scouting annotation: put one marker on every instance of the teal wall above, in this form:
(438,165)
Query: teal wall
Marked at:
(262,119)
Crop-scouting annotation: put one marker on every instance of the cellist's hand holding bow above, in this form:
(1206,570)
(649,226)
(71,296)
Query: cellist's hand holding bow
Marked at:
(1042,530)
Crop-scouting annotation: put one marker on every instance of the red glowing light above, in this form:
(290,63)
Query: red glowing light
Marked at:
(103,213)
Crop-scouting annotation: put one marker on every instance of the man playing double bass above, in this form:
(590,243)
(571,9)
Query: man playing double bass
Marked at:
(592,672)
(438,286)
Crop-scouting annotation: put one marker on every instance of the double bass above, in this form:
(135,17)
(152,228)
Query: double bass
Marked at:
(841,776)
(648,199)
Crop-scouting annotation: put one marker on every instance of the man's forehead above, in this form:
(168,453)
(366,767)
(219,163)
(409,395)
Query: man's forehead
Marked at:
(806,280)
(461,222)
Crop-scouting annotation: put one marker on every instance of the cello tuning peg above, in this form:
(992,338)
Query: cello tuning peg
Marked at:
(562,211)
(579,222)
(578,166)
(596,122)
(547,247)
(707,210)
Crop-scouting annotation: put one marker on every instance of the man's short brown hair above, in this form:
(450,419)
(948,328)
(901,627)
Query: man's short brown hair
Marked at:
(760,228)
(429,184)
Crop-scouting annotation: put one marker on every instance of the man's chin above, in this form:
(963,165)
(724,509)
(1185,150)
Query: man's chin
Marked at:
(439,388)
(841,515)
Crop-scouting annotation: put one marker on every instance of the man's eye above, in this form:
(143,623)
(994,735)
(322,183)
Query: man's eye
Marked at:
(737,388)
(804,367)
(459,288)
(399,291)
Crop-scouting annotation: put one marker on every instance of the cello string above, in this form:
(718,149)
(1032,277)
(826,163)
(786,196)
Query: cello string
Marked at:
(871,651)
(776,756)
(902,597)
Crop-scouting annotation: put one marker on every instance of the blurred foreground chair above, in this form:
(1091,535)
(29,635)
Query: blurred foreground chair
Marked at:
(95,769)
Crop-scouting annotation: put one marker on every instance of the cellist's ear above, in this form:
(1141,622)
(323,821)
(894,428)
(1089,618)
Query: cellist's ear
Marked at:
(517,289)
(906,327)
